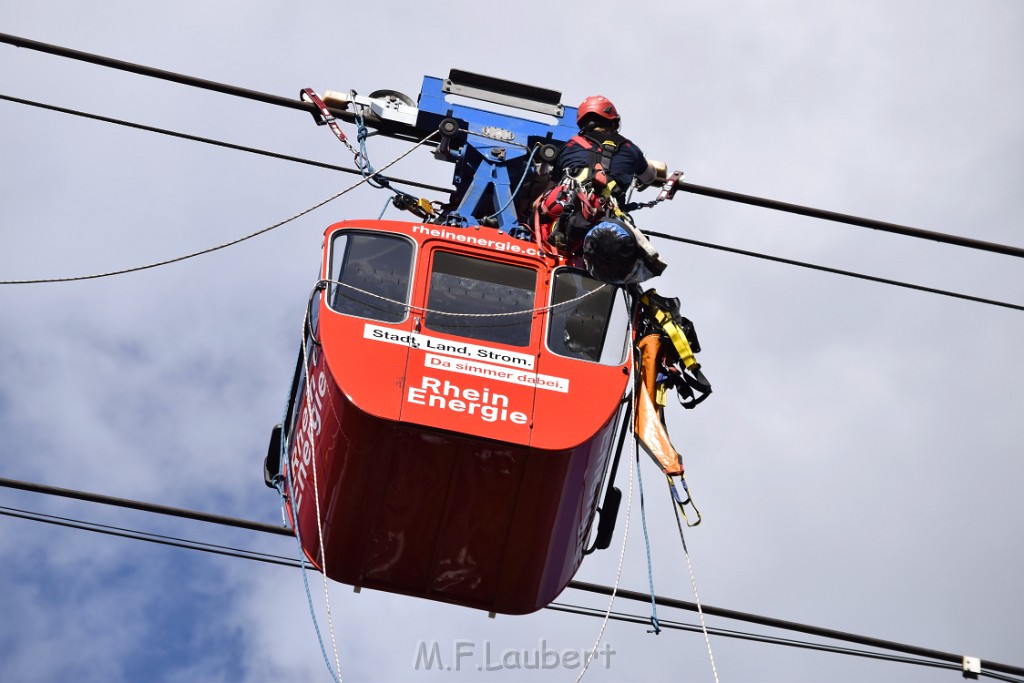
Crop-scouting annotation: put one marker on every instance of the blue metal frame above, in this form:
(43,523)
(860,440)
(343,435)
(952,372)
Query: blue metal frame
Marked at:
(494,146)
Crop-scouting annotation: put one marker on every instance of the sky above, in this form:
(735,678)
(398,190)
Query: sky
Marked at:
(857,467)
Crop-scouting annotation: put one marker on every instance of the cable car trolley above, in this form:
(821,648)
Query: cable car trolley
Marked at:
(462,391)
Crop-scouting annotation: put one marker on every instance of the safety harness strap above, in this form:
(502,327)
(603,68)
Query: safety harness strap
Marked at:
(690,383)
(323,116)
(682,499)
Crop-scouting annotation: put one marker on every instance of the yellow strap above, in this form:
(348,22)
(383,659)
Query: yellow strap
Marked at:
(674,332)
(680,503)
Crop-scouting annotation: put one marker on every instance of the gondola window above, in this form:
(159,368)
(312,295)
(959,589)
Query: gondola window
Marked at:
(370,276)
(481,299)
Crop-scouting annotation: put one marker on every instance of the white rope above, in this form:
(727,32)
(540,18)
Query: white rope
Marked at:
(625,533)
(421,309)
(316,496)
(232,242)
(696,595)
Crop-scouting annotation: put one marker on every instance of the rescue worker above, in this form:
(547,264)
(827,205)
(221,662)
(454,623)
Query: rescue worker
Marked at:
(599,141)
(592,173)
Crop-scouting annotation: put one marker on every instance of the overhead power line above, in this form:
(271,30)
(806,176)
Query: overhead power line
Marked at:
(948,657)
(297,104)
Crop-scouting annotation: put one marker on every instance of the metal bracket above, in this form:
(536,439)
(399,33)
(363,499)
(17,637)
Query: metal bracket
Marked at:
(668,190)
(971,667)
(500,91)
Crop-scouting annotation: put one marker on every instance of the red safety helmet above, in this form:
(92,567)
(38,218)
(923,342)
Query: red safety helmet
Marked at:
(598,105)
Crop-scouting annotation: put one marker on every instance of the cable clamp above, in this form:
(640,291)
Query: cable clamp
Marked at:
(972,667)
(668,190)
(321,114)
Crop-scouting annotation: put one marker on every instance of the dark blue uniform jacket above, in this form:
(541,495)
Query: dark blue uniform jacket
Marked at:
(627,162)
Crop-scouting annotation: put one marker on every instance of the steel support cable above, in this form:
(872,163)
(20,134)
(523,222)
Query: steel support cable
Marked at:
(211,141)
(772,640)
(684,186)
(80,525)
(333,167)
(144,507)
(723,613)
(152,72)
(181,79)
(579,610)
(160,539)
(752,637)
(837,271)
(822,214)
(798,627)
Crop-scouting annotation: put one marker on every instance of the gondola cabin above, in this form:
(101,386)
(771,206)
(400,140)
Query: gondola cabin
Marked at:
(461,392)
(454,413)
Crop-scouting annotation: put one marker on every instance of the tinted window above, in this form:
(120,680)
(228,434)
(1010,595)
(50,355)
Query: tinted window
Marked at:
(374,271)
(593,328)
(462,287)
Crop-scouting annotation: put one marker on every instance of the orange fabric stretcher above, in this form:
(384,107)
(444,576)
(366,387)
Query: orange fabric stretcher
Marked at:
(649,425)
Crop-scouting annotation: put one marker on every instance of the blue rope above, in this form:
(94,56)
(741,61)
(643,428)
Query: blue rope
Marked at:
(647,542)
(279,483)
(363,158)
(526,172)
(386,203)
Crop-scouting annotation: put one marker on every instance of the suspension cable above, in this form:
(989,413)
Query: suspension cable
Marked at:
(623,593)
(822,214)
(684,186)
(835,271)
(212,141)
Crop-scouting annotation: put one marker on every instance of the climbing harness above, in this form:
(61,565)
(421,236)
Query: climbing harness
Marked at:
(689,381)
(666,341)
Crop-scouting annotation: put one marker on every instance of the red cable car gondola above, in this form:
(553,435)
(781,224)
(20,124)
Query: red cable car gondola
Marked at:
(460,428)
(461,393)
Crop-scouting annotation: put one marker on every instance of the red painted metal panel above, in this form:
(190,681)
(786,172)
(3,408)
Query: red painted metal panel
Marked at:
(423,496)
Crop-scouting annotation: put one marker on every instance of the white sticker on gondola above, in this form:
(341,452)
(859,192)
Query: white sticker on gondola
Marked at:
(414,340)
(496,372)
